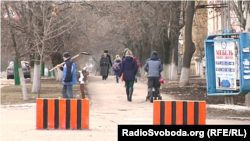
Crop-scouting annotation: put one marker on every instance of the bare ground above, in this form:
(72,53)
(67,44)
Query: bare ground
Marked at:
(196,90)
(50,88)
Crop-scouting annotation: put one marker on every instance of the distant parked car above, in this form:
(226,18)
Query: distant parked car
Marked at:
(25,67)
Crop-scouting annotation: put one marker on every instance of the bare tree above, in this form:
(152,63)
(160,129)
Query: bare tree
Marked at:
(147,26)
(189,44)
(242,10)
(17,53)
(140,26)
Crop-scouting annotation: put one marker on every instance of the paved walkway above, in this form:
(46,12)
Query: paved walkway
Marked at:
(109,107)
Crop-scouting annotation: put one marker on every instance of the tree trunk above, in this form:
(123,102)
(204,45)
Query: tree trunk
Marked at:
(24,89)
(145,54)
(174,60)
(36,78)
(166,61)
(189,45)
(201,69)
(59,74)
(171,46)
(174,37)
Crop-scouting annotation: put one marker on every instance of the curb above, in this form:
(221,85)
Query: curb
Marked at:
(239,118)
(21,105)
(229,107)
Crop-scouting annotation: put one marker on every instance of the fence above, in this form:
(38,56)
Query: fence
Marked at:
(62,114)
(179,112)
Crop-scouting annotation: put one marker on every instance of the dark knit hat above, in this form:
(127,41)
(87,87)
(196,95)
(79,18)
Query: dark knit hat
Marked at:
(155,53)
(125,50)
(105,51)
(66,55)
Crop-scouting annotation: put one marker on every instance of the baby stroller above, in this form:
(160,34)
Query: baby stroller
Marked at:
(155,95)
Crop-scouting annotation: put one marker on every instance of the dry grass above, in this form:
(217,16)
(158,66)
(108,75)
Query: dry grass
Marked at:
(50,88)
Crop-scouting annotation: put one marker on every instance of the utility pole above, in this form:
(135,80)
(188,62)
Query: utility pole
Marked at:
(223,18)
(16,72)
(228,17)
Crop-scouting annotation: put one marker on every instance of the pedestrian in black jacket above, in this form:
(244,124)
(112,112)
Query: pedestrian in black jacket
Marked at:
(104,66)
(124,53)
(69,76)
(110,62)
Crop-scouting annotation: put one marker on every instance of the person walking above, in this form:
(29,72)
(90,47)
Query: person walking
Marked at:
(153,67)
(138,66)
(129,69)
(110,62)
(104,65)
(69,76)
(124,54)
(117,67)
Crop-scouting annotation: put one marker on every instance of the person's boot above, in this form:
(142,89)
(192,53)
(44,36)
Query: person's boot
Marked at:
(127,92)
(151,95)
(156,94)
(130,93)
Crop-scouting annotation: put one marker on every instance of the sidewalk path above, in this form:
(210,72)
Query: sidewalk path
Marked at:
(109,107)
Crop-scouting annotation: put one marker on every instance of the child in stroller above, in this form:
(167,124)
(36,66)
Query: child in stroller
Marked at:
(155,95)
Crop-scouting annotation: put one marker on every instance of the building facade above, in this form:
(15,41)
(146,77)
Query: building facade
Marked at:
(222,16)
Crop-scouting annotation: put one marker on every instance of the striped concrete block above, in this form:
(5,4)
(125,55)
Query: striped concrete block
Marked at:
(179,112)
(62,114)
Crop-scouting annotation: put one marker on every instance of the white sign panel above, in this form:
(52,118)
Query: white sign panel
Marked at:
(225,65)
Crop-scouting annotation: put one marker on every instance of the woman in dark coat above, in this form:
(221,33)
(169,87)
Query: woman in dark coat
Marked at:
(129,69)
(124,54)
(110,62)
(104,65)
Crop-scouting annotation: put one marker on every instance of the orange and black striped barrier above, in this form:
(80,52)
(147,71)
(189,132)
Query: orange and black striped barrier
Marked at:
(179,112)
(62,114)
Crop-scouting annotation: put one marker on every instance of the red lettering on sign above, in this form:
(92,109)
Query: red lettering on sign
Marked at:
(231,52)
(218,52)
(224,52)
(219,57)
(228,57)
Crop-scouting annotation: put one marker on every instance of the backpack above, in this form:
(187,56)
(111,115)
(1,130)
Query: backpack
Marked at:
(116,66)
(138,64)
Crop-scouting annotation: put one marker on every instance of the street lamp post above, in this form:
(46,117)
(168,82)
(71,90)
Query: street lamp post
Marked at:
(16,72)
